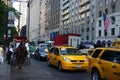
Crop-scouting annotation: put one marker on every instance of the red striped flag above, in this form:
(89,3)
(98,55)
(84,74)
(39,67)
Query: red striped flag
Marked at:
(106,21)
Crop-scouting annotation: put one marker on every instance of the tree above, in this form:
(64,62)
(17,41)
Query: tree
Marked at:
(3,21)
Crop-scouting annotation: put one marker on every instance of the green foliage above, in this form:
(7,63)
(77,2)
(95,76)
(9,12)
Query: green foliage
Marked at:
(14,33)
(17,14)
(3,10)
(3,22)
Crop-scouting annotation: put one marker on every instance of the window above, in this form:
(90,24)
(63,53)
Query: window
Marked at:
(113,0)
(112,56)
(56,50)
(87,29)
(106,11)
(51,50)
(87,21)
(106,2)
(112,31)
(113,9)
(105,33)
(100,23)
(88,13)
(83,30)
(100,13)
(96,53)
(100,5)
(113,20)
(87,37)
(99,33)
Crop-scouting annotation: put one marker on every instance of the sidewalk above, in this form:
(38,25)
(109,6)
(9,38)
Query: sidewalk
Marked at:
(4,71)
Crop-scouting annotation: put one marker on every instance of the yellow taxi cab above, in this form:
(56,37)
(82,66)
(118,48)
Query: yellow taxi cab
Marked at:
(105,64)
(67,58)
(86,52)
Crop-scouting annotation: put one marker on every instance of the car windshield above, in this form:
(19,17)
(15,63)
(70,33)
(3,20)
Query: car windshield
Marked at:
(68,51)
(42,50)
(45,46)
(82,52)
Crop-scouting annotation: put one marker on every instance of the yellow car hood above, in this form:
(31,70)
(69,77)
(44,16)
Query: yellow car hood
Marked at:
(75,57)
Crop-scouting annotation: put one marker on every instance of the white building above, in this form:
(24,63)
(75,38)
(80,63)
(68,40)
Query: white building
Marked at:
(34,27)
(112,10)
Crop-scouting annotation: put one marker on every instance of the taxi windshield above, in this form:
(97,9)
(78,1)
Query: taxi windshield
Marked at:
(82,52)
(68,51)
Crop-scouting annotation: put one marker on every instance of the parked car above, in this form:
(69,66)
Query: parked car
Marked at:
(67,58)
(40,53)
(105,64)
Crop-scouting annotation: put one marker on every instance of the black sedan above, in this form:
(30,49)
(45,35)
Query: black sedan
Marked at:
(40,54)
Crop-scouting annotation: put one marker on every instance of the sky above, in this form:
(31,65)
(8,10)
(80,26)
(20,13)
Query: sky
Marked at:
(16,6)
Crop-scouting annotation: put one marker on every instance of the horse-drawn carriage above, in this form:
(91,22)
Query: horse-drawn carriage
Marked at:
(16,42)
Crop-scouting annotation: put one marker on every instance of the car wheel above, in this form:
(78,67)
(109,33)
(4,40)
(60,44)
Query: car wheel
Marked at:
(59,66)
(48,62)
(95,75)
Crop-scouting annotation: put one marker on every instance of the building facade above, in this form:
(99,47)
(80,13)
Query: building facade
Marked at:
(112,10)
(43,20)
(34,27)
(77,18)
(82,17)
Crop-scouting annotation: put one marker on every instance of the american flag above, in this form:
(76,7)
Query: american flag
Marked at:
(106,21)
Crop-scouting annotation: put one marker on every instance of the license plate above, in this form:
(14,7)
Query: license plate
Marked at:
(78,66)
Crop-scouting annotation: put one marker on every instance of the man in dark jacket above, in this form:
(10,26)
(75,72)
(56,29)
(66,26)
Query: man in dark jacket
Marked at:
(9,53)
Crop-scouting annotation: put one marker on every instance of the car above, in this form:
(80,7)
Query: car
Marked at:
(90,51)
(105,64)
(40,54)
(45,45)
(86,52)
(83,52)
(67,58)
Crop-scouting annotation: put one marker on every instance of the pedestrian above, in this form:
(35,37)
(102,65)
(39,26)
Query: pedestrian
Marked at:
(1,54)
(9,53)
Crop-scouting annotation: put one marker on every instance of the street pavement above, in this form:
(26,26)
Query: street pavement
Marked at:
(4,71)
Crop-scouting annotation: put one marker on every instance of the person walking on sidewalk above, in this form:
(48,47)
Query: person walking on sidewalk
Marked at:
(1,54)
(9,53)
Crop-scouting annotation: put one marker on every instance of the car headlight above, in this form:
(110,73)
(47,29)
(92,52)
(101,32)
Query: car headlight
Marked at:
(66,59)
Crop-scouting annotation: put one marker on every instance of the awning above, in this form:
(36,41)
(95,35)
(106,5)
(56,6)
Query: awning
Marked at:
(103,42)
(99,42)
